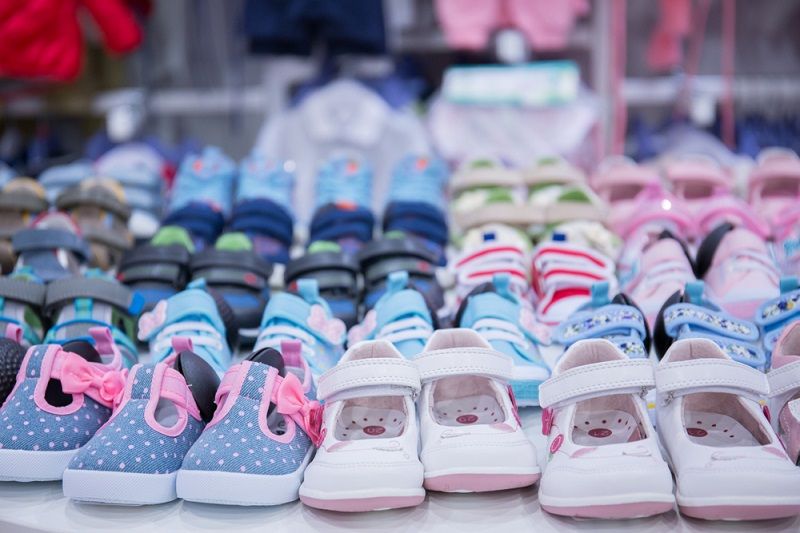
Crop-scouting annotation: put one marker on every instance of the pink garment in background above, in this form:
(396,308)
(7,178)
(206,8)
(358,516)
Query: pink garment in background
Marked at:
(665,52)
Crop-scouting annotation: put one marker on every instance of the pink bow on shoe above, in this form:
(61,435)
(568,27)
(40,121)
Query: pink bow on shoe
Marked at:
(78,376)
(290,400)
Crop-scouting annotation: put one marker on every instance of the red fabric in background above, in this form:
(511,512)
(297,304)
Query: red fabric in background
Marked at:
(43,39)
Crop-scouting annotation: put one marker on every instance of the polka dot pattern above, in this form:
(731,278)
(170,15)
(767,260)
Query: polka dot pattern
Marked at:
(237,444)
(25,426)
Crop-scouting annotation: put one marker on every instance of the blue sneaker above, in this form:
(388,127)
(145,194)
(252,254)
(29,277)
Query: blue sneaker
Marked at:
(343,214)
(501,318)
(256,448)
(401,316)
(202,195)
(617,320)
(688,315)
(193,314)
(135,457)
(263,208)
(303,317)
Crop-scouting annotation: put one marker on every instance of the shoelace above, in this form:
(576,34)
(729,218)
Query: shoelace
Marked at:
(669,271)
(749,260)
(200,333)
(272,336)
(495,329)
(413,328)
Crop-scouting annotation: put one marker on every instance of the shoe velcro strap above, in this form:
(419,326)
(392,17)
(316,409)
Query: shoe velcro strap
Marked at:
(385,376)
(607,320)
(436,364)
(697,317)
(414,266)
(27,292)
(225,260)
(18,201)
(28,240)
(779,310)
(784,379)
(623,376)
(95,197)
(66,291)
(710,375)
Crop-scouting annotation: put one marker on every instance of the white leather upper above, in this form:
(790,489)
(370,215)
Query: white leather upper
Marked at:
(478,361)
(369,377)
(598,379)
(710,375)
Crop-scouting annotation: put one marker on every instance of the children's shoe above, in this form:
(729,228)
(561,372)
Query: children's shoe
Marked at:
(773,316)
(134,458)
(52,247)
(689,314)
(558,193)
(22,300)
(21,200)
(728,462)
(203,195)
(263,208)
(344,199)
(619,180)
(62,396)
(57,178)
(194,314)
(774,183)
(617,320)
(501,318)
(336,274)
(784,390)
(416,202)
(485,192)
(652,211)
(661,267)
(304,317)
(738,270)
(76,305)
(471,435)
(401,316)
(99,208)
(238,274)
(367,458)
(160,268)
(604,459)
(11,355)
(395,253)
(255,449)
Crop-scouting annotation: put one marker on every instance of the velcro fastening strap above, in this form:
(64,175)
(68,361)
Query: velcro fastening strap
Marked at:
(711,375)
(436,364)
(27,292)
(698,317)
(784,379)
(598,323)
(745,352)
(623,376)
(46,239)
(66,291)
(369,377)
(779,310)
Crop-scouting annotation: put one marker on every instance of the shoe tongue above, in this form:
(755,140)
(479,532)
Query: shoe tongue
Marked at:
(57,220)
(403,304)
(324,246)
(84,349)
(737,240)
(194,304)
(666,249)
(493,305)
(270,357)
(172,235)
(201,379)
(234,242)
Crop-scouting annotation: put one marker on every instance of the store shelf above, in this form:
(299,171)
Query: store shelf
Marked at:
(42,507)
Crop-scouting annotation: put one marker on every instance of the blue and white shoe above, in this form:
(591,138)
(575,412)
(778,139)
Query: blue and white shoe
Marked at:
(263,207)
(774,315)
(501,318)
(617,320)
(191,314)
(303,317)
(690,315)
(255,449)
(401,317)
(202,195)
(135,457)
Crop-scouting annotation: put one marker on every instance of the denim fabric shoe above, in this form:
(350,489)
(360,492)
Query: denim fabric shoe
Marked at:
(63,395)
(76,305)
(203,195)
(503,319)
(401,316)
(255,449)
(192,314)
(304,317)
(135,457)
(263,208)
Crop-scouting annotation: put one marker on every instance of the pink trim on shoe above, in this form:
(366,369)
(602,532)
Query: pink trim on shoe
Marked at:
(359,505)
(47,372)
(612,511)
(14,332)
(479,482)
(169,384)
(740,512)
(228,391)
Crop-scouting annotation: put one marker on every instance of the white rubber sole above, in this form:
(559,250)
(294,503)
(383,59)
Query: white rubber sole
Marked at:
(231,488)
(29,465)
(119,488)
(376,499)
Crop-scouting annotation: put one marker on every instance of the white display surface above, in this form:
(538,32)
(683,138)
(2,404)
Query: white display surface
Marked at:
(42,507)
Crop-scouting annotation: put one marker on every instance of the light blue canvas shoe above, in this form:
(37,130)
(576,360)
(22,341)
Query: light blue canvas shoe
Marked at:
(501,318)
(401,316)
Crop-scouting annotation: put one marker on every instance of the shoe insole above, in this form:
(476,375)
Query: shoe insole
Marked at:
(469,410)
(359,422)
(714,429)
(597,428)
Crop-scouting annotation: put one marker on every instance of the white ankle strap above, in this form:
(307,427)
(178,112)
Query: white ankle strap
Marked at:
(486,362)
(711,375)
(385,376)
(629,376)
(784,379)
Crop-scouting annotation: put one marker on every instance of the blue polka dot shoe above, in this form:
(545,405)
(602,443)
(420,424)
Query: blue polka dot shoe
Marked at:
(62,396)
(134,459)
(256,448)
